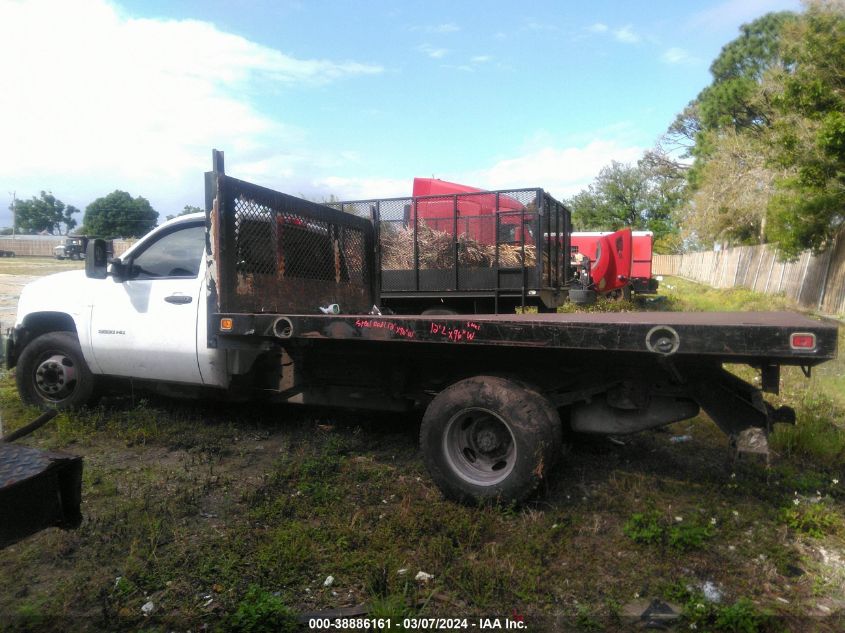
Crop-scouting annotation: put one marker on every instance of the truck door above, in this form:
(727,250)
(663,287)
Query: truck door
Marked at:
(146,326)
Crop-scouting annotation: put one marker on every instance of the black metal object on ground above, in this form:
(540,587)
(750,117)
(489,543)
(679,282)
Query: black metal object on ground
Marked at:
(38,489)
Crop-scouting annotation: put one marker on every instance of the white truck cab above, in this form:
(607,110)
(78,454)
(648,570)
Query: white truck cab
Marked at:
(146,320)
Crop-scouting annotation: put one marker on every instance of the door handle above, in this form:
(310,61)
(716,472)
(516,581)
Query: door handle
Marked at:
(179,299)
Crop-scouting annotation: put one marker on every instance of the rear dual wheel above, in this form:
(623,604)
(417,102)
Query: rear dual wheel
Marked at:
(490,439)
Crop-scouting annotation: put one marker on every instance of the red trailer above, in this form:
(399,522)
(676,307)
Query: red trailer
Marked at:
(642,280)
(637,259)
(611,257)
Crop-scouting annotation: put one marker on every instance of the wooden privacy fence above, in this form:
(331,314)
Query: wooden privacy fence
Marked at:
(24,246)
(814,281)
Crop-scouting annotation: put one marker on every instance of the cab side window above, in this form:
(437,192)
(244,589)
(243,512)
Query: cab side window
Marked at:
(173,255)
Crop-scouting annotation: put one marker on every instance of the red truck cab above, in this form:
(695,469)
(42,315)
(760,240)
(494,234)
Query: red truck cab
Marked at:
(436,205)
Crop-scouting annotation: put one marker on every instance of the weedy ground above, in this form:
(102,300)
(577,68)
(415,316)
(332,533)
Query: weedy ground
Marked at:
(37,265)
(232,518)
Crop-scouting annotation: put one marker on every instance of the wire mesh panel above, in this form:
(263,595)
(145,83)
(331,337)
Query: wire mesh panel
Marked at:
(475,241)
(395,234)
(281,254)
(556,237)
(433,225)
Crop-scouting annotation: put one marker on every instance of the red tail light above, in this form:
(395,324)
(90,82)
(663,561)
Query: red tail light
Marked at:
(802,341)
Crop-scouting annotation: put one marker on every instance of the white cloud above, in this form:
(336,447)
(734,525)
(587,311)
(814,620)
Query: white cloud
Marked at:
(98,100)
(677,55)
(530,24)
(626,34)
(561,171)
(438,29)
(363,188)
(433,51)
(449,27)
(474,63)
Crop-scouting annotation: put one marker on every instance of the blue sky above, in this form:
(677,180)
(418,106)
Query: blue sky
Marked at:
(339,97)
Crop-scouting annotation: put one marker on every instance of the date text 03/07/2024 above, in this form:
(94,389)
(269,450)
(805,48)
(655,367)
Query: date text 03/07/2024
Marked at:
(517,622)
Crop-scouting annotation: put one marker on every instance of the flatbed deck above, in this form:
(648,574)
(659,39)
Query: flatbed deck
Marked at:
(738,336)
(496,391)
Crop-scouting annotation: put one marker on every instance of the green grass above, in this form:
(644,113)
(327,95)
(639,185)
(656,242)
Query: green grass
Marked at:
(231,517)
(37,265)
(689,296)
(651,528)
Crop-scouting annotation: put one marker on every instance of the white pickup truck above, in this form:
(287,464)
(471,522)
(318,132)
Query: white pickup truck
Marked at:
(231,300)
(148,324)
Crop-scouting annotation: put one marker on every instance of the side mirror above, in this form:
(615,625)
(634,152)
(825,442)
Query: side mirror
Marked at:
(96,260)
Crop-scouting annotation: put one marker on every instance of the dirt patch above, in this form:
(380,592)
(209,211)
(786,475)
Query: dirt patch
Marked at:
(10,290)
(16,272)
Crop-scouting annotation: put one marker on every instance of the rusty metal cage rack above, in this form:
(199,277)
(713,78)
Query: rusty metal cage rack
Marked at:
(281,254)
(523,244)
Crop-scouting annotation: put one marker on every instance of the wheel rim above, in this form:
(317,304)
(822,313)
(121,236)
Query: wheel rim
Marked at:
(55,377)
(479,447)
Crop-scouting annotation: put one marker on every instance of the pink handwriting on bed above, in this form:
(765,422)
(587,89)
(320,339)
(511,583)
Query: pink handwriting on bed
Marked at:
(385,325)
(456,334)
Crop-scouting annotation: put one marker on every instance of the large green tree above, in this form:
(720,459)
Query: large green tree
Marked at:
(736,101)
(808,133)
(45,213)
(119,215)
(732,99)
(640,196)
(733,189)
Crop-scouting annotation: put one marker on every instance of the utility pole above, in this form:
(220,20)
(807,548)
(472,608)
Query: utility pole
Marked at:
(14,211)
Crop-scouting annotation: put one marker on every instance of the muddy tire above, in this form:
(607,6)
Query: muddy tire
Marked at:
(488,439)
(52,374)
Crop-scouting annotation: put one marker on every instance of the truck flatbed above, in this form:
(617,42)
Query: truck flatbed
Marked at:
(496,390)
(783,337)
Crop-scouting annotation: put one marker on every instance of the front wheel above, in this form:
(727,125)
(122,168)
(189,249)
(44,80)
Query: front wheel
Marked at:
(52,373)
(490,439)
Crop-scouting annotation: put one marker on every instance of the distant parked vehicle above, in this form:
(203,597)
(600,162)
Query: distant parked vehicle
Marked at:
(73,248)
(640,279)
(7,253)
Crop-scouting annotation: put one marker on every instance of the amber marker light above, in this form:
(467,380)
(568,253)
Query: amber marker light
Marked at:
(226,325)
